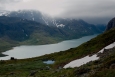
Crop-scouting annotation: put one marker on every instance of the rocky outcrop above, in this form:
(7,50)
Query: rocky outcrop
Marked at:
(111,24)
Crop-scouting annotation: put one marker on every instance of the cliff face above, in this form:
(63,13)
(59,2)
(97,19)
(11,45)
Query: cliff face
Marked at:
(111,24)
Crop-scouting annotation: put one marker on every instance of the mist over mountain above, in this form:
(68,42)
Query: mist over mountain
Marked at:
(92,11)
(45,19)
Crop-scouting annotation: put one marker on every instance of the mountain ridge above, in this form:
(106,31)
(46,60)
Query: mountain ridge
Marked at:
(24,25)
(38,16)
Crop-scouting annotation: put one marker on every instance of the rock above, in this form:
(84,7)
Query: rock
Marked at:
(81,71)
(112,66)
(12,58)
(63,76)
(111,24)
(33,73)
(12,73)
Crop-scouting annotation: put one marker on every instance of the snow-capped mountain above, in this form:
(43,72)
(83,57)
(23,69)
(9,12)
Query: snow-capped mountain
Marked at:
(4,13)
(33,27)
(31,15)
(43,18)
(65,26)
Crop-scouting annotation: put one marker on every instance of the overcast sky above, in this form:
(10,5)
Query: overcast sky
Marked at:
(92,11)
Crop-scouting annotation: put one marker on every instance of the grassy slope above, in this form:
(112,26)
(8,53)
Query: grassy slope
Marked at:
(6,45)
(24,67)
(89,47)
(105,66)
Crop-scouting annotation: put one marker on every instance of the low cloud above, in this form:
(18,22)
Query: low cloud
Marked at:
(9,1)
(92,11)
(1,8)
(6,3)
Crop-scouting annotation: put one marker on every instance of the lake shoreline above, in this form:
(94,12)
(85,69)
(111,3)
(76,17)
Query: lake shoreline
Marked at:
(48,46)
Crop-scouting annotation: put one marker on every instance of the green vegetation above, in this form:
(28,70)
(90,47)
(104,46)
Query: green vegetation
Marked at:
(6,45)
(88,48)
(103,67)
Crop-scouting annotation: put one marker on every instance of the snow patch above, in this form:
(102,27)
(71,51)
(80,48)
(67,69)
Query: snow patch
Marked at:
(84,60)
(33,19)
(61,25)
(57,24)
(4,13)
(79,62)
(54,22)
(26,35)
(45,21)
(107,47)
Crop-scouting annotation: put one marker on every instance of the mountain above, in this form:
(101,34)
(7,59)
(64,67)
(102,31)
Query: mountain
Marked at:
(37,16)
(4,12)
(17,31)
(21,29)
(32,15)
(27,27)
(111,24)
(103,67)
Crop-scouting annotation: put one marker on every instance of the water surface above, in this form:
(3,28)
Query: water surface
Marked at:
(49,62)
(22,52)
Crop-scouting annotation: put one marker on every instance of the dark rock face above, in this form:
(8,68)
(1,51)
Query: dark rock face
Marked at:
(16,28)
(112,66)
(111,24)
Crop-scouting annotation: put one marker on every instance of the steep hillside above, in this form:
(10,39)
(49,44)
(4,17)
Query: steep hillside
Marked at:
(111,24)
(88,48)
(22,29)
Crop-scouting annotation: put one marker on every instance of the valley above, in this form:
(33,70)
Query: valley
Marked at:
(18,31)
(24,28)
